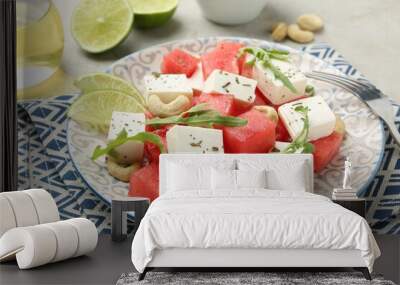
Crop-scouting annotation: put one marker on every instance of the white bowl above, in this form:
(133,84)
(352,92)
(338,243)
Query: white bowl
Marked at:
(231,12)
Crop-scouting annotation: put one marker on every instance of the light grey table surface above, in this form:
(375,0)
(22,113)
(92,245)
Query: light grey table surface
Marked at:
(365,32)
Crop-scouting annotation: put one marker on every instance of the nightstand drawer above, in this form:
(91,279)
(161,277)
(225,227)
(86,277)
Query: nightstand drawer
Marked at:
(356,206)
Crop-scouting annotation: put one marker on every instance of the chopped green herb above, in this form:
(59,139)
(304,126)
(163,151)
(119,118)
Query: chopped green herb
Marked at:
(310,91)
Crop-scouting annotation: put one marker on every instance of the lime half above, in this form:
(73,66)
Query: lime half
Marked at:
(99,25)
(104,81)
(152,13)
(94,110)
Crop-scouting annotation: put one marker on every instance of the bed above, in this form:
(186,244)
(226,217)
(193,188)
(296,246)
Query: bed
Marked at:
(194,223)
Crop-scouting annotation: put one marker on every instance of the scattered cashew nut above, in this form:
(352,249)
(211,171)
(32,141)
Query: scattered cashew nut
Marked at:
(279,31)
(299,35)
(269,111)
(340,126)
(158,108)
(121,172)
(310,22)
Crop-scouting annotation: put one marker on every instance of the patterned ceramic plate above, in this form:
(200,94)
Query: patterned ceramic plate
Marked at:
(364,140)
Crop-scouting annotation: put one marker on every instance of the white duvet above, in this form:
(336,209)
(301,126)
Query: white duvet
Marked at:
(256,218)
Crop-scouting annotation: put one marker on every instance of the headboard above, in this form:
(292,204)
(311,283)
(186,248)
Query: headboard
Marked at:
(203,159)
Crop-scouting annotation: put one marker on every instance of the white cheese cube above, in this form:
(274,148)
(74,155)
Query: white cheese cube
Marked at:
(242,88)
(167,86)
(133,123)
(322,119)
(273,89)
(196,81)
(185,139)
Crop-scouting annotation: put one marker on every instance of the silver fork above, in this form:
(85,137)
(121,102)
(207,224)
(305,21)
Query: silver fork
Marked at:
(371,96)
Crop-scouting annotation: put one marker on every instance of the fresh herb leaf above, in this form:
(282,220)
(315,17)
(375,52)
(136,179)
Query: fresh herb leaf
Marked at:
(207,119)
(199,115)
(280,76)
(300,144)
(264,56)
(123,138)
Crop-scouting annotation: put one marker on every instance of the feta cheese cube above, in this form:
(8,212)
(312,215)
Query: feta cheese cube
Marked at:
(273,89)
(133,123)
(242,88)
(196,81)
(167,86)
(185,139)
(322,119)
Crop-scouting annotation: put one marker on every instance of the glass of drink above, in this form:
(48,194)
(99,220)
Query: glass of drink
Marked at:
(40,43)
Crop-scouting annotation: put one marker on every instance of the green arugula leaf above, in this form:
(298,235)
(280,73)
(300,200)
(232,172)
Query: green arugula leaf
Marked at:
(199,115)
(300,144)
(264,56)
(123,138)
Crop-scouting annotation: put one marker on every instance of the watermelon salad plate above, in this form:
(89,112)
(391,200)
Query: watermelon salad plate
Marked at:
(237,95)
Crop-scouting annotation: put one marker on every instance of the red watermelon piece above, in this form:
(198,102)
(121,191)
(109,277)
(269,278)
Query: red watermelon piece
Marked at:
(325,150)
(152,152)
(223,57)
(179,62)
(258,136)
(145,182)
(282,134)
(224,104)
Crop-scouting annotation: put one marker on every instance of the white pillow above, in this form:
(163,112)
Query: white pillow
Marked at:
(281,174)
(251,179)
(223,179)
(184,177)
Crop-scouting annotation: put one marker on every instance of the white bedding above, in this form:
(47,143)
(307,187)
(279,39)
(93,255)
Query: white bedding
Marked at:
(252,218)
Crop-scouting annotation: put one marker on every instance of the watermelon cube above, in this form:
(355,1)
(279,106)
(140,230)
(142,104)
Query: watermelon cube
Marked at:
(325,149)
(258,136)
(144,182)
(179,62)
(223,57)
(224,104)
(152,152)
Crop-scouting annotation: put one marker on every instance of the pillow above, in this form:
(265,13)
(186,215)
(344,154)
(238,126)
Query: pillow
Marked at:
(223,179)
(184,177)
(293,180)
(281,174)
(251,179)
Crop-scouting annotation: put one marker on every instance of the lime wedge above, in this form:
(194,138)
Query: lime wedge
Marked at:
(152,13)
(104,81)
(99,25)
(94,110)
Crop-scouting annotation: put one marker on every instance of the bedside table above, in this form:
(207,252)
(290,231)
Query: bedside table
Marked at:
(356,206)
(119,209)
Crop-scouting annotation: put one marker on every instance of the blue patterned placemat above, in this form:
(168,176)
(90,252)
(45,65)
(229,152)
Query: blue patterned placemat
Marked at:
(44,161)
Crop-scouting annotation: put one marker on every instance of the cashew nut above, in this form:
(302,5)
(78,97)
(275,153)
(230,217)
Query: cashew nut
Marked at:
(161,109)
(269,111)
(340,126)
(310,22)
(299,35)
(279,31)
(121,172)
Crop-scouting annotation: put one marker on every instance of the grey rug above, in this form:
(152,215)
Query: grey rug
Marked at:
(243,278)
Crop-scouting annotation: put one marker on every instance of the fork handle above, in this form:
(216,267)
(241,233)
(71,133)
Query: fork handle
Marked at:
(394,131)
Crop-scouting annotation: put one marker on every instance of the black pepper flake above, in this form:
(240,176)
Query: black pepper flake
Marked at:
(237,80)
(198,144)
(246,85)
(215,148)
(226,85)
